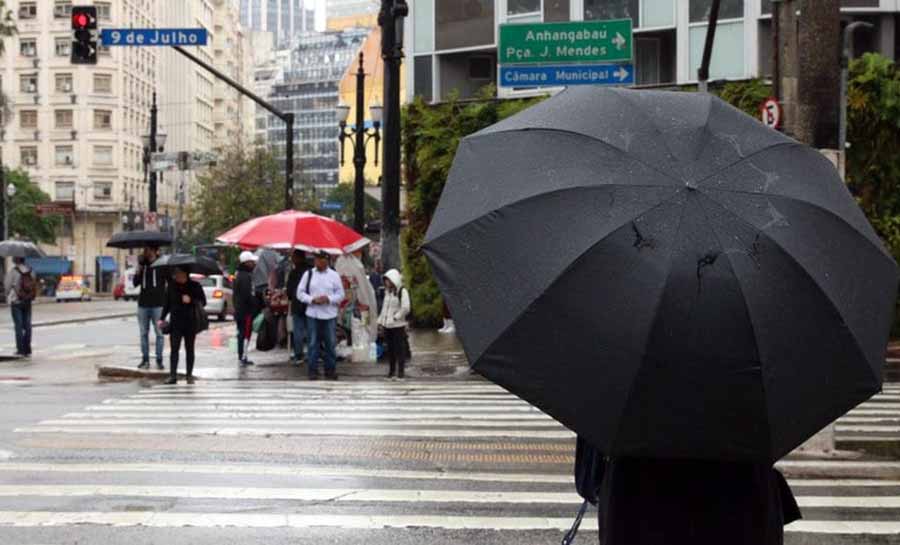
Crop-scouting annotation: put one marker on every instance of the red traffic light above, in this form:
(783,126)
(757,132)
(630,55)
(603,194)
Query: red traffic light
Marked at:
(80,20)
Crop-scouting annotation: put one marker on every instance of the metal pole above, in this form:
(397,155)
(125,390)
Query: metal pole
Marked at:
(359,152)
(177,235)
(846,55)
(289,168)
(703,71)
(153,121)
(776,49)
(392,13)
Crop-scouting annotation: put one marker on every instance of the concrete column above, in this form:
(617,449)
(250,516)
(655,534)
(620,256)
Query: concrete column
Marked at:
(887,29)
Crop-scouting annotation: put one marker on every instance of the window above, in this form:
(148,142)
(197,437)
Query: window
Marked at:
(102,83)
(103,156)
(728,55)
(28,119)
(104,11)
(102,119)
(62,10)
(613,9)
(657,13)
(28,83)
(424,23)
(556,10)
(729,9)
(64,156)
(27,10)
(28,47)
(63,119)
(464,24)
(65,191)
(104,50)
(63,47)
(103,191)
(63,83)
(29,155)
(520,7)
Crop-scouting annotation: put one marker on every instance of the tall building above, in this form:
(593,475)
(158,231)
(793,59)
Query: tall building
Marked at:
(232,112)
(77,129)
(309,86)
(286,19)
(452,44)
(350,8)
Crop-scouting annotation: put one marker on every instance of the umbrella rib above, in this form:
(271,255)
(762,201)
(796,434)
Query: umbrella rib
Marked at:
(747,158)
(586,137)
(571,266)
(737,279)
(625,97)
(652,322)
(805,271)
(806,203)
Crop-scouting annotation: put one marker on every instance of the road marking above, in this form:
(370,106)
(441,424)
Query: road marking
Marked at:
(346,402)
(837,465)
(295,416)
(295,424)
(348,432)
(867,429)
(238,407)
(368,398)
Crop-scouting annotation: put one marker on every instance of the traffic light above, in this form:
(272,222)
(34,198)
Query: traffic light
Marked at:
(84,35)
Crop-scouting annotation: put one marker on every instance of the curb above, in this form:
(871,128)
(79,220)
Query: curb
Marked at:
(82,320)
(122,372)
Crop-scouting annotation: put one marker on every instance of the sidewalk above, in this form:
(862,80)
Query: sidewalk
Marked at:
(47,312)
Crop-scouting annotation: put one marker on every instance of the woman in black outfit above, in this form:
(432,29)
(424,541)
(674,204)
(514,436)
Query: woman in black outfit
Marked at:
(181,296)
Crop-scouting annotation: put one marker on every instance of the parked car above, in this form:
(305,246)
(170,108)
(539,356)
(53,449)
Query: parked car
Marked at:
(72,288)
(119,290)
(132,292)
(219,295)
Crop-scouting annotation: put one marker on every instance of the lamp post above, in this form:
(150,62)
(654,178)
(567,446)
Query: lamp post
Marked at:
(390,19)
(153,143)
(361,136)
(7,208)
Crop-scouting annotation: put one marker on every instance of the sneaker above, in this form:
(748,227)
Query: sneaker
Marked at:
(331,376)
(144,365)
(450,329)
(172,380)
(190,380)
(246,362)
(314,376)
(159,365)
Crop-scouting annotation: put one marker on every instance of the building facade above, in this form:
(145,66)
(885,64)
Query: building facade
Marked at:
(232,112)
(335,9)
(308,85)
(286,19)
(452,44)
(77,130)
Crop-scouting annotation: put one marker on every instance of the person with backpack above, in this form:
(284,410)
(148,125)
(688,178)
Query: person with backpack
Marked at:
(150,305)
(392,320)
(21,291)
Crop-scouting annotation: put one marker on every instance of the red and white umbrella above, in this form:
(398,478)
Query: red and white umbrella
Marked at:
(293,229)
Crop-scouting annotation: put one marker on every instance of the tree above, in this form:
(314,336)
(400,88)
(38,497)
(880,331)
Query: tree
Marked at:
(343,193)
(24,223)
(247,182)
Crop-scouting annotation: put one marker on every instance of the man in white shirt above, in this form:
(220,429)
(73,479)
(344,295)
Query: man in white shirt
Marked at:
(322,290)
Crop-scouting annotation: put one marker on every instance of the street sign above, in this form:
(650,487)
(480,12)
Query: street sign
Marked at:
(554,76)
(582,41)
(170,161)
(164,161)
(55,209)
(203,158)
(330,205)
(153,36)
(771,113)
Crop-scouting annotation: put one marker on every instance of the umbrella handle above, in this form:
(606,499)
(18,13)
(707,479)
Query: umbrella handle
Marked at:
(569,538)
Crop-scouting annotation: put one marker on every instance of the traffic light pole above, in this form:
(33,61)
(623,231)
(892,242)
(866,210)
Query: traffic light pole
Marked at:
(287,117)
(153,130)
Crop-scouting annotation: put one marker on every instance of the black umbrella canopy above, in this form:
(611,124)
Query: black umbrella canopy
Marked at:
(20,248)
(663,274)
(193,263)
(139,239)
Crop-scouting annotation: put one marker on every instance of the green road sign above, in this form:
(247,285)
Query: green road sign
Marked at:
(582,41)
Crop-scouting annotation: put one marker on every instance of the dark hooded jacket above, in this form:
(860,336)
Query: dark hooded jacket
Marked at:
(685,502)
(245,301)
(153,285)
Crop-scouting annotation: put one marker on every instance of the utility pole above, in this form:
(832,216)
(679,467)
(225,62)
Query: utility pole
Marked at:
(153,128)
(359,152)
(390,18)
(713,23)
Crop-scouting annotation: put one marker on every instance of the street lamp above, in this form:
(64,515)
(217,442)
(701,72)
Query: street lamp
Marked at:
(10,193)
(361,136)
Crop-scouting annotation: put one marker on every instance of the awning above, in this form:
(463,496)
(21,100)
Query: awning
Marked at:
(47,266)
(107,264)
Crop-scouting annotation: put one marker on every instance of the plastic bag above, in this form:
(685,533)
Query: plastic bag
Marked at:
(258,322)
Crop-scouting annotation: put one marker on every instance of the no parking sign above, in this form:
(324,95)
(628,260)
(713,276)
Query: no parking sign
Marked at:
(771,113)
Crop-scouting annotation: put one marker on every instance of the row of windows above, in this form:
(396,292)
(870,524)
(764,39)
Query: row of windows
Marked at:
(64,155)
(65,191)
(62,10)
(65,118)
(62,47)
(65,83)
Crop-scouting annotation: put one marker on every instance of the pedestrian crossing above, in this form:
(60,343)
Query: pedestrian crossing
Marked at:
(477,453)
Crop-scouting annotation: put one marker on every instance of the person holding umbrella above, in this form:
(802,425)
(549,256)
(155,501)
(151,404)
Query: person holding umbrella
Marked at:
(151,300)
(321,290)
(183,296)
(245,303)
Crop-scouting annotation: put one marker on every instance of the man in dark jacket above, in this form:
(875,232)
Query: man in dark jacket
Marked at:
(245,303)
(684,502)
(298,309)
(150,305)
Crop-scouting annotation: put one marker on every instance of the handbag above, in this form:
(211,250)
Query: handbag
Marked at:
(201,320)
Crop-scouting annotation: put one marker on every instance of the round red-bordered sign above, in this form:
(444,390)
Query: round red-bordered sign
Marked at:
(770,113)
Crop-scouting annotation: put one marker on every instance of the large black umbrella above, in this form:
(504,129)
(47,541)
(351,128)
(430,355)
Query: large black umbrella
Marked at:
(139,239)
(20,248)
(663,274)
(195,264)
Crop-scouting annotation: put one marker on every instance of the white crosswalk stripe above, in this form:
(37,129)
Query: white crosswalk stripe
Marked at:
(351,497)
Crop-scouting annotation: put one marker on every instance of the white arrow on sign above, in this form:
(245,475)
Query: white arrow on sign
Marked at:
(621,73)
(619,41)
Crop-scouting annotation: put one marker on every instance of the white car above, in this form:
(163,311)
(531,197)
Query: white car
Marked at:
(131,291)
(219,295)
(72,288)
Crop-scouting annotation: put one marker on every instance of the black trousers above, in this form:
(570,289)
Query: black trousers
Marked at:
(395,339)
(176,339)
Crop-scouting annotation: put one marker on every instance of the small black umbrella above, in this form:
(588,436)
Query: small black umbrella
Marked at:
(663,274)
(140,239)
(20,248)
(193,263)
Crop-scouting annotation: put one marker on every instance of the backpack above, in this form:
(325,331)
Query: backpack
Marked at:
(26,290)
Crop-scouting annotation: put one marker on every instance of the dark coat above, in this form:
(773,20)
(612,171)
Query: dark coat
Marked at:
(245,301)
(685,502)
(182,315)
(152,283)
(293,281)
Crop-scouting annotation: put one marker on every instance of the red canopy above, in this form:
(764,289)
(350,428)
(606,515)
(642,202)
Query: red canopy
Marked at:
(293,229)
